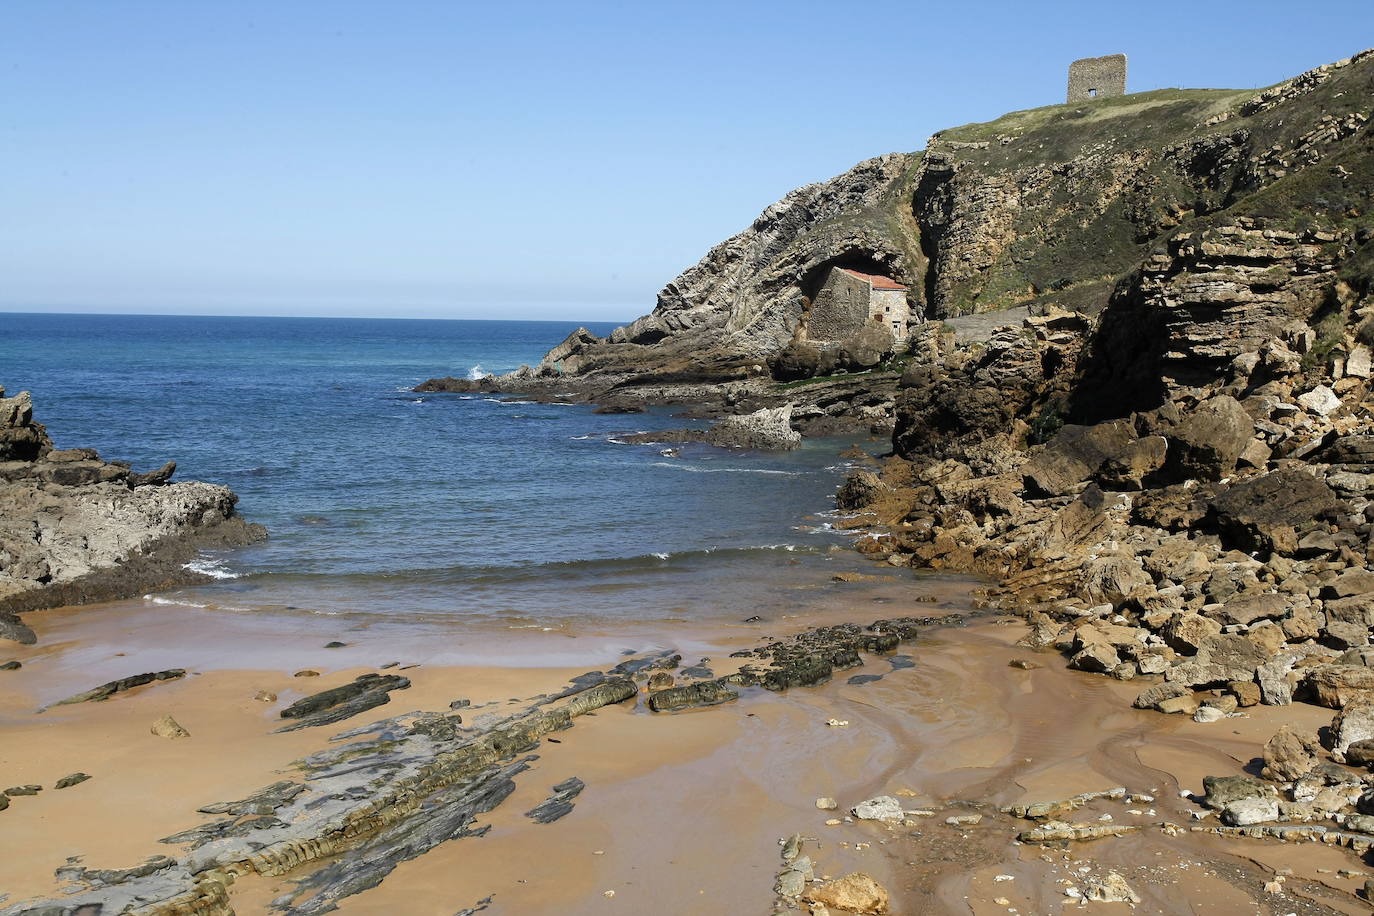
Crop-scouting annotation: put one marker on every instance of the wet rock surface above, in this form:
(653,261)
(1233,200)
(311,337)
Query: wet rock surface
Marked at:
(338,703)
(559,804)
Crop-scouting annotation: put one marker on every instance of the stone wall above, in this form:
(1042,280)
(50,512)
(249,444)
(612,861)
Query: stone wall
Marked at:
(1097,77)
(890,306)
(840,309)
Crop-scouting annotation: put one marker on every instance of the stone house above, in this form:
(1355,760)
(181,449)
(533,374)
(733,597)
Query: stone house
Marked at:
(848,300)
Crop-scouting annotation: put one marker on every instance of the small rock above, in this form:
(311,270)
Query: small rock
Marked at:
(1208,714)
(1246,811)
(66,782)
(1023,664)
(306,672)
(16,791)
(265,696)
(837,723)
(335,645)
(1111,889)
(964,820)
(827,803)
(10,666)
(832,822)
(856,893)
(167,727)
(881,808)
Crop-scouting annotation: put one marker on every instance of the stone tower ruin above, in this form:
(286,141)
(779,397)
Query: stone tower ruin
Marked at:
(1097,77)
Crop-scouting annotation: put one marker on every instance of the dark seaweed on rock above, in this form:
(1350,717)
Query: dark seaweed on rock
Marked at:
(339,703)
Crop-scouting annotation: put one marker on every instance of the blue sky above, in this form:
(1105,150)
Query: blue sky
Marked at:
(520,159)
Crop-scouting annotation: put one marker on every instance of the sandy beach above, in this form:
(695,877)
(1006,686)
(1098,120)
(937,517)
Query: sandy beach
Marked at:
(682,812)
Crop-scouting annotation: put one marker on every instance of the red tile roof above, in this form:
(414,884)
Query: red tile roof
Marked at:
(877,281)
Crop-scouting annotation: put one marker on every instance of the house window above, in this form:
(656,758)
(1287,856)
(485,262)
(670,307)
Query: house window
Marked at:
(1092,93)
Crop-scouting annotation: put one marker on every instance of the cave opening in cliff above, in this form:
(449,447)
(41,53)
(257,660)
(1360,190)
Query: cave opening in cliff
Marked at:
(862,261)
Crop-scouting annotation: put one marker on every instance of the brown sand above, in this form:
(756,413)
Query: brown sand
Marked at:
(682,813)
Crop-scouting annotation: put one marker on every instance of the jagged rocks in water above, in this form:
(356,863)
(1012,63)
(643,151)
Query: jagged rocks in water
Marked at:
(339,703)
(768,429)
(77,529)
(859,491)
(107,690)
(559,803)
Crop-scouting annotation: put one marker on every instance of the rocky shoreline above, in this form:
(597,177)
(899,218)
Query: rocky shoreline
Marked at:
(75,529)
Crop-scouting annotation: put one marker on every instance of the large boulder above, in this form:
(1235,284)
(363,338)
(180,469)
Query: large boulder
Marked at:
(1206,442)
(1222,791)
(1269,513)
(866,348)
(860,490)
(798,360)
(1355,722)
(1289,754)
(1074,455)
(1338,686)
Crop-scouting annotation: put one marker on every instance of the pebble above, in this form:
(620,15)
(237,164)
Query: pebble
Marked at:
(1005,878)
(306,673)
(827,804)
(832,822)
(963,820)
(608,894)
(265,696)
(837,723)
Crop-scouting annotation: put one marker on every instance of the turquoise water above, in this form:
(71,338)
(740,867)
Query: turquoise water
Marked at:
(382,503)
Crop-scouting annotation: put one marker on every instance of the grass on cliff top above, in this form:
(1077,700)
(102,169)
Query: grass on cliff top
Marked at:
(1059,132)
(1030,120)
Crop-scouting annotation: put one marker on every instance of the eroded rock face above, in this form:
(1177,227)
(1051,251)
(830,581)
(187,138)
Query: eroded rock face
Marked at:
(74,528)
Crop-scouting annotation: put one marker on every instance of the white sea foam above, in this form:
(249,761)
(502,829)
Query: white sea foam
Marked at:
(154,599)
(477,373)
(580,438)
(695,469)
(212,568)
(661,556)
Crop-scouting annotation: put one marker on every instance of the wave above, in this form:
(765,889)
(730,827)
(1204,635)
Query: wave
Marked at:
(477,373)
(215,569)
(580,438)
(595,571)
(695,469)
(154,599)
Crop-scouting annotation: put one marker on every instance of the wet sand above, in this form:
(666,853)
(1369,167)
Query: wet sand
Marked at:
(682,812)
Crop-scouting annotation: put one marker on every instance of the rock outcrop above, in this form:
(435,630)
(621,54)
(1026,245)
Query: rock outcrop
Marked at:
(76,529)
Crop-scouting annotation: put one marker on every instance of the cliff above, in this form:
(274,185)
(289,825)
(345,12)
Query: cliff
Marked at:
(76,529)
(1052,206)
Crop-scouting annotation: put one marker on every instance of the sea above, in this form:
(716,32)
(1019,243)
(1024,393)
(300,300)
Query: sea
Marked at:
(385,504)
